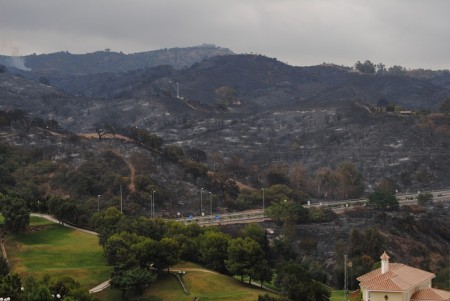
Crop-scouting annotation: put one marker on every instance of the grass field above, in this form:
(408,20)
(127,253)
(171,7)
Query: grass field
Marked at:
(55,250)
(202,284)
(337,296)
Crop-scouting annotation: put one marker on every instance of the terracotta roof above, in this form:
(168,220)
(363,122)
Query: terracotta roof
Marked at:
(399,277)
(429,294)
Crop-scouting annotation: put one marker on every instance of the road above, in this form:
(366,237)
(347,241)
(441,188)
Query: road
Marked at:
(257,215)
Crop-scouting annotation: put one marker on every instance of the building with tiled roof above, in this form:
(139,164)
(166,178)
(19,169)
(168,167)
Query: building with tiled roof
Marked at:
(399,282)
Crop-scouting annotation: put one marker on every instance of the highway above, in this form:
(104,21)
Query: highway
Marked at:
(257,215)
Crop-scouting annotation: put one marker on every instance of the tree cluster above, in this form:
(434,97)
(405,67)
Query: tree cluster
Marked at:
(384,196)
(363,250)
(140,248)
(45,288)
(15,213)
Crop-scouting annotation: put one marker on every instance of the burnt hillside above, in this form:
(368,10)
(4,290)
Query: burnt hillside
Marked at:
(258,109)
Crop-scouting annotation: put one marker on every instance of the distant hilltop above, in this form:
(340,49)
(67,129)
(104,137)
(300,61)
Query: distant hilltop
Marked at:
(110,61)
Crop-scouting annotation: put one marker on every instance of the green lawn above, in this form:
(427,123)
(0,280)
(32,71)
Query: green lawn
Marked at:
(204,285)
(56,250)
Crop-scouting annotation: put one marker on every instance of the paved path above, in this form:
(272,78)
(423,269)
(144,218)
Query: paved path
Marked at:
(100,287)
(52,219)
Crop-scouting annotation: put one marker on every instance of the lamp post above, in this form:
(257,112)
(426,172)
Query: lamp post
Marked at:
(263,200)
(98,204)
(201,201)
(153,203)
(210,205)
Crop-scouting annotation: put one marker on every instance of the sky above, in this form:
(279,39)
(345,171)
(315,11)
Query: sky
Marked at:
(409,33)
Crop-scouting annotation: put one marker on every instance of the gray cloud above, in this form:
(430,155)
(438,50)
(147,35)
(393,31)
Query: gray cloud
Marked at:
(411,33)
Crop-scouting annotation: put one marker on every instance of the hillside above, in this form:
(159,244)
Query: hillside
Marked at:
(109,61)
(416,236)
(253,108)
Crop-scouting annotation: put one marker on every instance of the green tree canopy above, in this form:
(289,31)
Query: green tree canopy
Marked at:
(15,212)
(243,255)
(383,201)
(134,278)
(424,198)
(213,247)
(366,67)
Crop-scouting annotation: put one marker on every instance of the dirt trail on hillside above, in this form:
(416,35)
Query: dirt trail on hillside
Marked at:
(131,168)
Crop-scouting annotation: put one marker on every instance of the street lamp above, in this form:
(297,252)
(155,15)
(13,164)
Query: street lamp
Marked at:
(153,203)
(98,204)
(201,201)
(151,206)
(263,199)
(210,205)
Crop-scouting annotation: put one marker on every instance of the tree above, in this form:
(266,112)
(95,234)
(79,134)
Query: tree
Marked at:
(100,129)
(383,201)
(168,253)
(381,68)
(146,252)
(309,291)
(134,278)
(397,70)
(107,223)
(298,176)
(327,180)
(174,153)
(287,213)
(425,198)
(295,281)
(387,186)
(10,285)
(366,67)
(255,232)
(262,272)
(119,249)
(278,174)
(4,266)
(65,210)
(15,212)
(196,155)
(196,169)
(350,180)
(213,247)
(243,255)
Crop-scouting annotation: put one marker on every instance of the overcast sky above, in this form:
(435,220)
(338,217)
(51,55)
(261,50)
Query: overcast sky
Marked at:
(410,33)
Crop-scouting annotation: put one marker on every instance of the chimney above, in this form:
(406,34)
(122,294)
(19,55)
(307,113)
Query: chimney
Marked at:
(384,263)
